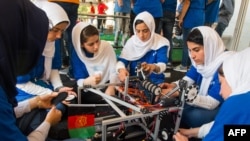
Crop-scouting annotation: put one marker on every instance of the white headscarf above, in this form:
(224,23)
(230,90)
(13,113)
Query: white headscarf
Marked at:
(104,60)
(214,53)
(134,48)
(56,15)
(236,71)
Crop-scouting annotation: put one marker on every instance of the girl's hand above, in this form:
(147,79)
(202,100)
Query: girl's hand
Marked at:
(123,73)
(54,116)
(179,137)
(44,101)
(167,87)
(149,68)
(68,90)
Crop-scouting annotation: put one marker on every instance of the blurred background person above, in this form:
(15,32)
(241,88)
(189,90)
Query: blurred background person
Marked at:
(225,14)
(92,11)
(154,7)
(122,8)
(101,20)
(167,25)
(192,15)
(211,12)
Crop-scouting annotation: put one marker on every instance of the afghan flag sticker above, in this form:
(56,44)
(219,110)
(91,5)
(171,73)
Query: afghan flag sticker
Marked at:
(81,126)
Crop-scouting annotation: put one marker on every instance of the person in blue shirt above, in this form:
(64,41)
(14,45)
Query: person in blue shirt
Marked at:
(44,78)
(226,12)
(167,24)
(122,8)
(235,89)
(145,47)
(192,15)
(206,51)
(93,61)
(152,6)
(211,12)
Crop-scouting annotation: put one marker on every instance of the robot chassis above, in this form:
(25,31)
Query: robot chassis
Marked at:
(139,112)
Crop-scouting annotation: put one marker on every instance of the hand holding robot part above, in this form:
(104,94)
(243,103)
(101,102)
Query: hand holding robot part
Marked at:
(98,76)
(54,116)
(123,73)
(110,91)
(168,87)
(92,80)
(149,68)
(71,93)
(192,132)
(44,101)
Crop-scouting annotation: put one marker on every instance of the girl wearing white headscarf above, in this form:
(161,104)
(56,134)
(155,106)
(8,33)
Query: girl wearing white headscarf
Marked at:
(206,51)
(93,61)
(44,77)
(235,89)
(151,52)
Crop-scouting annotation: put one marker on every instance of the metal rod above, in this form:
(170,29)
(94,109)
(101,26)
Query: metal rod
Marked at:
(115,107)
(178,120)
(102,85)
(103,15)
(115,100)
(126,87)
(79,97)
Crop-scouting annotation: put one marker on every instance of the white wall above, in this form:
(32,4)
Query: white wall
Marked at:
(230,30)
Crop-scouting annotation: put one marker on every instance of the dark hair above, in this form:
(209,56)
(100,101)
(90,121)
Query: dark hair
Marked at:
(220,71)
(195,36)
(87,32)
(138,22)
